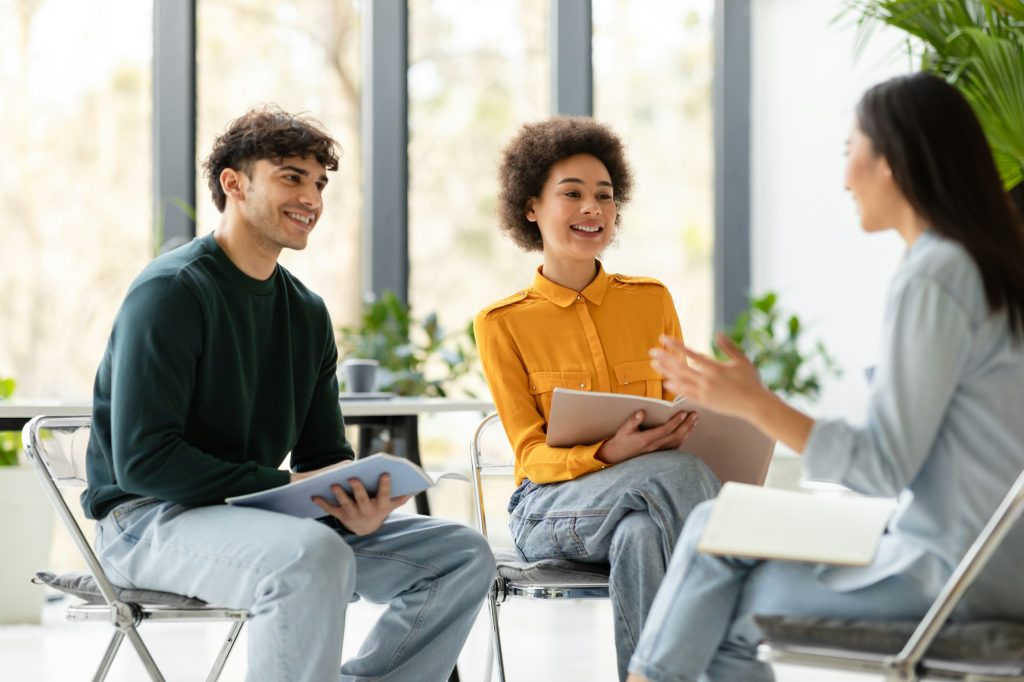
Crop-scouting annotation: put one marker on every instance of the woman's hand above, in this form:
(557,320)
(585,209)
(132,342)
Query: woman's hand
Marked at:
(629,441)
(361,513)
(730,387)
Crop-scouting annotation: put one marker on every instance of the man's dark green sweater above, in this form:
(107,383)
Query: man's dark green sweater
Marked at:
(210,378)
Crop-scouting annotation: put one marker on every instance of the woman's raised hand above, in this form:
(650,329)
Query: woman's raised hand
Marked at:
(731,387)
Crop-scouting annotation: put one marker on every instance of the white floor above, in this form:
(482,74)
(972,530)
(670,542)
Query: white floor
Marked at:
(544,642)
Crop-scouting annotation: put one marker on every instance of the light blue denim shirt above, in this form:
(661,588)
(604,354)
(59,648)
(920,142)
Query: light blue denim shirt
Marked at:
(944,432)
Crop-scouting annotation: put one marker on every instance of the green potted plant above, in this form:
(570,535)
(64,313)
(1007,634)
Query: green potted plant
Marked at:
(26,535)
(417,357)
(774,342)
(789,364)
(976,45)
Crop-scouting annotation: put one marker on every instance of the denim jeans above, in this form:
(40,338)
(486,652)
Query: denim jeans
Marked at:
(701,626)
(297,576)
(628,515)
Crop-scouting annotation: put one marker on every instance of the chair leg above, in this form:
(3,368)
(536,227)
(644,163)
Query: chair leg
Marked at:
(143,652)
(492,607)
(108,657)
(225,651)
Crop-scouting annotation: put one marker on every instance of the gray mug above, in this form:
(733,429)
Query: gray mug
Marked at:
(360,375)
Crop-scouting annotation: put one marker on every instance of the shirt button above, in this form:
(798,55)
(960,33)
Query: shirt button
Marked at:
(578,297)
(582,385)
(625,383)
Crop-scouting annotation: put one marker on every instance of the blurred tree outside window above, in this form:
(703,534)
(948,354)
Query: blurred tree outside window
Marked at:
(468,94)
(653,63)
(75,183)
(304,55)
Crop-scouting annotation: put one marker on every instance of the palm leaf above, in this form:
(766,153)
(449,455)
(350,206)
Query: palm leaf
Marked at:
(976,45)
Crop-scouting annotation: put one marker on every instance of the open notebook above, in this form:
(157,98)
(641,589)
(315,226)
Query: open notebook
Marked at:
(767,523)
(732,448)
(294,498)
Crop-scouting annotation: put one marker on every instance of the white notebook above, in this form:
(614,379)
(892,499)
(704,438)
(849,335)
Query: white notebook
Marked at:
(294,498)
(732,448)
(767,523)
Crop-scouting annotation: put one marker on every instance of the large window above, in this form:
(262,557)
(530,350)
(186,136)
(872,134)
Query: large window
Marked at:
(75,183)
(652,82)
(303,55)
(477,71)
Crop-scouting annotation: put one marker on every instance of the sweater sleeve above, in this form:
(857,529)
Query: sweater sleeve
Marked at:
(524,424)
(322,440)
(156,343)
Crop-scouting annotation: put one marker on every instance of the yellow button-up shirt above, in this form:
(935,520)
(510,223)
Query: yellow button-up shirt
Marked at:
(547,337)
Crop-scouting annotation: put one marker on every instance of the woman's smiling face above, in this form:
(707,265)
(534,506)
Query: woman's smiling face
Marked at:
(576,209)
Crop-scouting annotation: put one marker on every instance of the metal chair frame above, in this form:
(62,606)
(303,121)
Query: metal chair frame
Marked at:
(58,469)
(504,588)
(912,662)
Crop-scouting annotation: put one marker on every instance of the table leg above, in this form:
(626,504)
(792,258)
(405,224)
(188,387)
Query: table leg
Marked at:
(409,428)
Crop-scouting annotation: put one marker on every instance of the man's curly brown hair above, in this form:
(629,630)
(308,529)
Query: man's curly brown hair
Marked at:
(270,133)
(527,160)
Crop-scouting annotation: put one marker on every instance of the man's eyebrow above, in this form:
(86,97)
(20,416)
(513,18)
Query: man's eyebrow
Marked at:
(601,183)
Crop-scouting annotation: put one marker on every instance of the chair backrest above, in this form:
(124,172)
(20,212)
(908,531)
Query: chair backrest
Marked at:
(491,454)
(1002,521)
(59,444)
(56,448)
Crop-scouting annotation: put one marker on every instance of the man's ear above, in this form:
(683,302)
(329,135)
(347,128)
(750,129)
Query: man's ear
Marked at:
(232,183)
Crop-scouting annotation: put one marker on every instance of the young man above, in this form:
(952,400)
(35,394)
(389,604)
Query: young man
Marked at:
(219,364)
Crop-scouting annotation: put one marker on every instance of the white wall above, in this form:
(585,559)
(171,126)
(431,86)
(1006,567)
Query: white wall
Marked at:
(805,236)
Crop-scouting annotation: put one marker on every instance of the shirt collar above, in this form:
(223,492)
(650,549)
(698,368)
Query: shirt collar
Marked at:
(564,297)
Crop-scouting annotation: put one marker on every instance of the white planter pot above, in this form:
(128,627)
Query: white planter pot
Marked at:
(26,531)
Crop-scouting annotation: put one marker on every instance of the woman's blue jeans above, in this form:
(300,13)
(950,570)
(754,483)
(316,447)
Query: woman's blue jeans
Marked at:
(628,515)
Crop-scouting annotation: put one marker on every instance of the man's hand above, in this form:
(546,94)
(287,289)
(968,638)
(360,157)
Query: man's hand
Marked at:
(629,441)
(361,513)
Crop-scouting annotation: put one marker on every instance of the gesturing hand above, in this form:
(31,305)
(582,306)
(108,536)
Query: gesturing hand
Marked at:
(629,441)
(359,512)
(730,387)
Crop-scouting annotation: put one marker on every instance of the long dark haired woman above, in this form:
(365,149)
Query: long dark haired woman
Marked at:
(944,431)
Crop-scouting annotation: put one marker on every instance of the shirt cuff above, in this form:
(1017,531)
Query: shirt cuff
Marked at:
(826,454)
(583,460)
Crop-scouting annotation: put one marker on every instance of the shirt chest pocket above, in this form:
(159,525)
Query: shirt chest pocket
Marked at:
(637,378)
(542,384)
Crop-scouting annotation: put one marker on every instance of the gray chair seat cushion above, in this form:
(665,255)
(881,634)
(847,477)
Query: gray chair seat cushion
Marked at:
(512,567)
(83,586)
(969,641)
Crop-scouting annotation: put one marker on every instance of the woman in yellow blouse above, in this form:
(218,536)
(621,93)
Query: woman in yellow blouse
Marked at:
(622,501)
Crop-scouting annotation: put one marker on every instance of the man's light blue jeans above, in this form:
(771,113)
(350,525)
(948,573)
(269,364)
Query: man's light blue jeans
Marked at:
(297,576)
(701,626)
(628,515)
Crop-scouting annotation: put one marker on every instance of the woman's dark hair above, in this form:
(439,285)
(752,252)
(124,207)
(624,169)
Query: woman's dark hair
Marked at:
(942,163)
(528,158)
(266,133)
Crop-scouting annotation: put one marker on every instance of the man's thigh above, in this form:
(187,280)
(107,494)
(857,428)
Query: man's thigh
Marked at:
(218,553)
(411,550)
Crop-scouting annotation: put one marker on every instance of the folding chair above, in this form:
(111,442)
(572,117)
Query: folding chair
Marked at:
(491,455)
(931,649)
(56,447)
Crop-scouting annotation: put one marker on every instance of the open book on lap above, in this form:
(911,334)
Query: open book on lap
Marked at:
(732,448)
(294,498)
(767,523)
